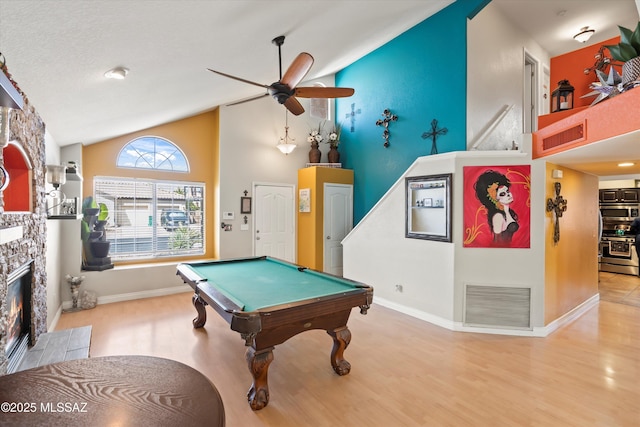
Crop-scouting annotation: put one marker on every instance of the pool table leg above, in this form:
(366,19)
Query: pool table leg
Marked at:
(259,362)
(200,306)
(341,339)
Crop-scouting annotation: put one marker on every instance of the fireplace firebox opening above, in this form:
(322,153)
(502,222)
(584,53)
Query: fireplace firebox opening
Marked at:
(19,315)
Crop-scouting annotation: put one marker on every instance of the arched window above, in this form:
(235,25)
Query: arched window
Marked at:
(152,152)
(319,107)
(152,218)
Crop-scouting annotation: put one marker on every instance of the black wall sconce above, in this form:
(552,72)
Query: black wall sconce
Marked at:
(558,206)
(388,117)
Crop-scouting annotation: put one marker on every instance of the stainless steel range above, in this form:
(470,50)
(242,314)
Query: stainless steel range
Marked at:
(617,251)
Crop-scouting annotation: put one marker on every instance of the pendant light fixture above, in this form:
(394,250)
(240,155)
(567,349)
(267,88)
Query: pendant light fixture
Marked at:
(286,144)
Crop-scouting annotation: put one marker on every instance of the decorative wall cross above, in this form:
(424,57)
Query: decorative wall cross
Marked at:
(352,116)
(388,117)
(434,134)
(558,206)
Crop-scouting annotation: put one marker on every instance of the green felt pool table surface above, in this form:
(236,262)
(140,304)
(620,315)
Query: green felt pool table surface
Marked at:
(263,282)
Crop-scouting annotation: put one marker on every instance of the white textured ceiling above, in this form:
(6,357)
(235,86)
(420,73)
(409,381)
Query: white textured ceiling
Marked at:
(553,23)
(59,50)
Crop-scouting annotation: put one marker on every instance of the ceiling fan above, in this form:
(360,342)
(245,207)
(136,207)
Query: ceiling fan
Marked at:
(285,91)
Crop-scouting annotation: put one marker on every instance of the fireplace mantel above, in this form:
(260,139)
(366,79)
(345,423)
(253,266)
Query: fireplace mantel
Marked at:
(9,234)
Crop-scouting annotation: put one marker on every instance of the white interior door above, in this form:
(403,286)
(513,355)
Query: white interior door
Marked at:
(274,233)
(531,94)
(338,222)
(546,91)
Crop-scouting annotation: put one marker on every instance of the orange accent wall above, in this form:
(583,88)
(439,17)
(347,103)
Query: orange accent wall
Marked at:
(310,224)
(197,137)
(570,66)
(571,265)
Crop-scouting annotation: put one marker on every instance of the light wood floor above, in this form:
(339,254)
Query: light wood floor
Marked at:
(405,372)
(620,288)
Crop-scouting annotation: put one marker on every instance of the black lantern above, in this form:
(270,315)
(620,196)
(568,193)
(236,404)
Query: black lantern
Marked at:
(562,97)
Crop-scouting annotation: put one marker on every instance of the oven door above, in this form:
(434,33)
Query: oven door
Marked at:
(620,249)
(618,255)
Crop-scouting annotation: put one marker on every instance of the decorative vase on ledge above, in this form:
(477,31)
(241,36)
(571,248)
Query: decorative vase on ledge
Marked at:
(95,247)
(630,71)
(334,154)
(314,154)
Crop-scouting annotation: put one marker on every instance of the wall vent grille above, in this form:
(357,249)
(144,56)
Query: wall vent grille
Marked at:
(572,134)
(497,306)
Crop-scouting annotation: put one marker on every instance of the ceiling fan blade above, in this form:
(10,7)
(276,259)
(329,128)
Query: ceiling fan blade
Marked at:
(238,78)
(294,106)
(297,70)
(248,100)
(324,92)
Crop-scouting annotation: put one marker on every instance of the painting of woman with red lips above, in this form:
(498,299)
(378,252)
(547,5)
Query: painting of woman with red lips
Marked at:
(497,206)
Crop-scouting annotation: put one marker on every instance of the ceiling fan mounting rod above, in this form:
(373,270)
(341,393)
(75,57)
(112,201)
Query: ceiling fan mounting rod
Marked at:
(278,41)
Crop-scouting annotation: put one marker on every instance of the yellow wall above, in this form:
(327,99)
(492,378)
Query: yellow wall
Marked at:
(197,137)
(310,224)
(571,265)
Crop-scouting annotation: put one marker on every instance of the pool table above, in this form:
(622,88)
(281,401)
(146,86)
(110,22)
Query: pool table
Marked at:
(268,301)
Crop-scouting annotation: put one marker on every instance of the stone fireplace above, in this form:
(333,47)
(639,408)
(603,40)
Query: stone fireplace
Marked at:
(23,231)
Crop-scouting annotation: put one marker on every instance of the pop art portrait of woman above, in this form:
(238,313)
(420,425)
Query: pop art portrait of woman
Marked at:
(497,206)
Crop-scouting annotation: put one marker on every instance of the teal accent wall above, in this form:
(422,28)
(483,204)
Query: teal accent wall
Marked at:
(421,75)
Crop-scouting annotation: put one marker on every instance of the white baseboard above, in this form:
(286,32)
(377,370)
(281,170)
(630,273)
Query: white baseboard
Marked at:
(418,314)
(54,322)
(136,295)
(460,327)
(572,315)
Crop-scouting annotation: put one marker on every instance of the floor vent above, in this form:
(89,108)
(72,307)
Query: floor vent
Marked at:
(497,306)
(572,134)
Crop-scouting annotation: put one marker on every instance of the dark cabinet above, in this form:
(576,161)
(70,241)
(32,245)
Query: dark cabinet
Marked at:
(620,195)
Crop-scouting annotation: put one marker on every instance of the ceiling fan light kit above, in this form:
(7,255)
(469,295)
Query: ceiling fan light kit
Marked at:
(285,91)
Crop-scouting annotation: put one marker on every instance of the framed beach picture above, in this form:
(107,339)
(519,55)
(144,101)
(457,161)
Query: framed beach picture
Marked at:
(304,200)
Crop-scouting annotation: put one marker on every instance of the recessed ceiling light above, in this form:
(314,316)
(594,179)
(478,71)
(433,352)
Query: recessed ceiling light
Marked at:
(118,73)
(626,164)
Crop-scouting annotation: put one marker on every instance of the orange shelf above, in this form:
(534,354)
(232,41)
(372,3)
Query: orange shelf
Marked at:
(548,119)
(607,119)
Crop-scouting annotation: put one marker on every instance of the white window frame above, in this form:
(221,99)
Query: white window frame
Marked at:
(156,239)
